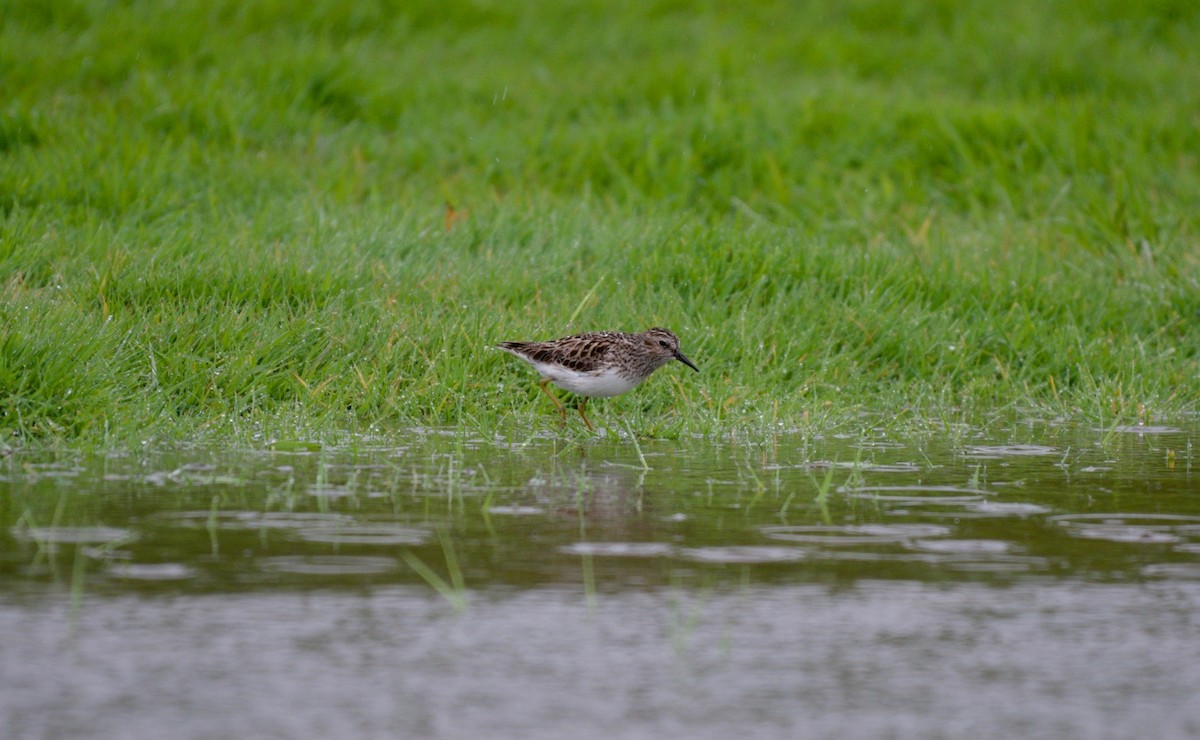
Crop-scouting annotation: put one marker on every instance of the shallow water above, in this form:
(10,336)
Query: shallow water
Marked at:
(1039,579)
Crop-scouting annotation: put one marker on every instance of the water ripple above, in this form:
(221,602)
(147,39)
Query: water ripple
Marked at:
(619,549)
(998,451)
(971,510)
(151,571)
(744,554)
(363,535)
(1189,571)
(981,547)
(328,565)
(248,519)
(854,534)
(72,535)
(1148,529)
(963,561)
(516,510)
(918,494)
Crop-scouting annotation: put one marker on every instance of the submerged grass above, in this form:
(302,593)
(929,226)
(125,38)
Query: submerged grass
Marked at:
(240,221)
(453,591)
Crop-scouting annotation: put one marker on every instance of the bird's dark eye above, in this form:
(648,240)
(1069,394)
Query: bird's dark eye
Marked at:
(663,343)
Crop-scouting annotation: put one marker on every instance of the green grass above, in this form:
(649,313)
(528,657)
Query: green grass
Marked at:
(226,221)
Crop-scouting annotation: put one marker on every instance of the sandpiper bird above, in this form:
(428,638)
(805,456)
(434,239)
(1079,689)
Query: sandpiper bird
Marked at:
(602,363)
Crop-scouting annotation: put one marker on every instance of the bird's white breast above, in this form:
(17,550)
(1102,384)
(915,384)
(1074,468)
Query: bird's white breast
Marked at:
(603,383)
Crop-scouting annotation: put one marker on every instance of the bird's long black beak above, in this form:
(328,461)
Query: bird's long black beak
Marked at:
(679,356)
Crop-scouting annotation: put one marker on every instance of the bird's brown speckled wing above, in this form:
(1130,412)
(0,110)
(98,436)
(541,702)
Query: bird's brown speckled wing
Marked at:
(582,352)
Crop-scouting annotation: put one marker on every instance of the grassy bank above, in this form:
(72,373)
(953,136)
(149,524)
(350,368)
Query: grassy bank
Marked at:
(229,220)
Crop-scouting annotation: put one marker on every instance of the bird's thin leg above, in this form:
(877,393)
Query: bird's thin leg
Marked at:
(582,406)
(562,410)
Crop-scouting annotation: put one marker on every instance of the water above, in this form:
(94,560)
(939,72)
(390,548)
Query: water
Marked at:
(1035,580)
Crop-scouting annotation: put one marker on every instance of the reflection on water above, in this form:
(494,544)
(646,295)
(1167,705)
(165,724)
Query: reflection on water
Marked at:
(866,584)
(328,565)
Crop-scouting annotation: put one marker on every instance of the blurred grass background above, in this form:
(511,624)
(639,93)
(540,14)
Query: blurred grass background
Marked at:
(234,221)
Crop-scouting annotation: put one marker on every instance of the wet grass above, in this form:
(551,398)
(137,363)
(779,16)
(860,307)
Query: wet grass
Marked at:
(943,212)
